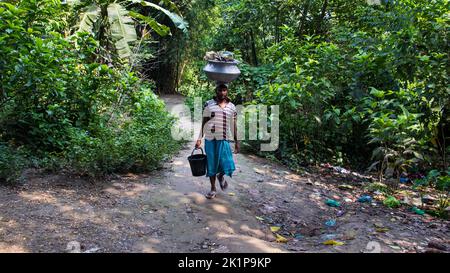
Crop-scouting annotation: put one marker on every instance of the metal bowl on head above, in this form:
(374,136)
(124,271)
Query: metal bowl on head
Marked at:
(223,72)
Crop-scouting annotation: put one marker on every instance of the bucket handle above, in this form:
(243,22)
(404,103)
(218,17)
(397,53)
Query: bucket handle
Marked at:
(197,149)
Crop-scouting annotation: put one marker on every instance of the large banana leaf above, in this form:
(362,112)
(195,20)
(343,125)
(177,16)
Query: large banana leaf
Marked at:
(172,6)
(176,19)
(122,29)
(123,50)
(160,29)
(88,18)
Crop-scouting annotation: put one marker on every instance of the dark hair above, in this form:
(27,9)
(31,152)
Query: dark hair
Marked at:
(220,86)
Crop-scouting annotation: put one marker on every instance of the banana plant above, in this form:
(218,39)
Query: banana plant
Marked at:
(113,23)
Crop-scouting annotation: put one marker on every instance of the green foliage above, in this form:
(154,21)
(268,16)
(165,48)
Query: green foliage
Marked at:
(435,178)
(397,132)
(318,115)
(391,202)
(377,186)
(178,21)
(443,182)
(443,204)
(12,163)
(252,26)
(440,180)
(351,79)
(49,85)
(196,85)
(35,75)
(252,78)
(67,110)
(113,25)
(366,80)
(136,145)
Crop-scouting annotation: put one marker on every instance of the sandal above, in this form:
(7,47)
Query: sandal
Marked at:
(223,183)
(211,195)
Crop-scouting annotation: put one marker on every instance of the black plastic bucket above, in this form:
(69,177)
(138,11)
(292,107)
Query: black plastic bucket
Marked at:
(198,163)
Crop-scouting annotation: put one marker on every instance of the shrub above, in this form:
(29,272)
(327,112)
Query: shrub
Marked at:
(12,163)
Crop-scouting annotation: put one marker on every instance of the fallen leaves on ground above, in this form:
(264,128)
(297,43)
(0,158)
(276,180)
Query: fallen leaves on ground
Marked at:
(274,229)
(333,243)
(281,239)
(382,230)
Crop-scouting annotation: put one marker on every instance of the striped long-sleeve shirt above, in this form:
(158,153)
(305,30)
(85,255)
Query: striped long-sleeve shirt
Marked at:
(220,125)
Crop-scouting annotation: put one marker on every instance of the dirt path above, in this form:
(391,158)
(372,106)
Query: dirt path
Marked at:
(166,211)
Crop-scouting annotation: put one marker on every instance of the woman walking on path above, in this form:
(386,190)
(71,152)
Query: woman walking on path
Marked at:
(219,128)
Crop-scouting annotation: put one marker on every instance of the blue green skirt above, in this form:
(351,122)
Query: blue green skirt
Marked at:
(219,157)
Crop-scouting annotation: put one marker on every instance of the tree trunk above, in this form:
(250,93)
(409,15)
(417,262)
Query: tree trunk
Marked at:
(277,27)
(304,15)
(254,54)
(321,18)
(102,36)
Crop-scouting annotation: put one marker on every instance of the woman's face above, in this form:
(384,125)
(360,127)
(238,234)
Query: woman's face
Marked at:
(222,93)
